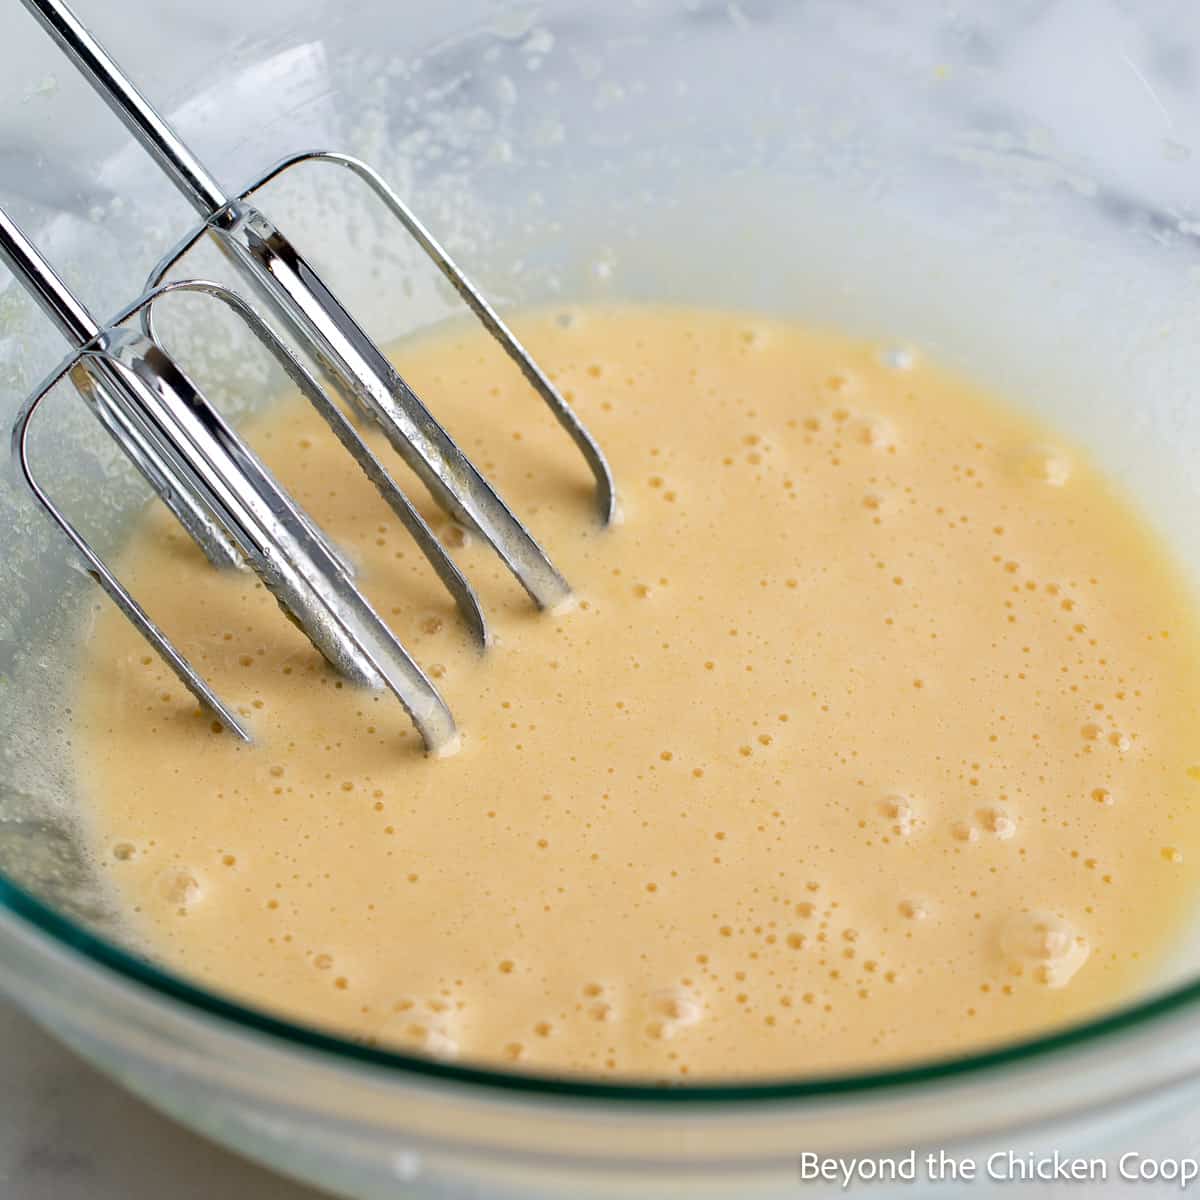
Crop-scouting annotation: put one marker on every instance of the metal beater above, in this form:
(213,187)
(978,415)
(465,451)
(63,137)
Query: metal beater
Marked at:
(214,485)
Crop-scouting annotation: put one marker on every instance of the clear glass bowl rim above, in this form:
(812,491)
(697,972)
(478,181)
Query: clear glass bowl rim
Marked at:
(170,987)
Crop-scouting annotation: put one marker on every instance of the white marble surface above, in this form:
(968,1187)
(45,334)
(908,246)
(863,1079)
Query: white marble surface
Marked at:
(67,1133)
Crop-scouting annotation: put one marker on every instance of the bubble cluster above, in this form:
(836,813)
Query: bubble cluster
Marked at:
(1043,944)
(673,1010)
(181,888)
(901,812)
(1045,464)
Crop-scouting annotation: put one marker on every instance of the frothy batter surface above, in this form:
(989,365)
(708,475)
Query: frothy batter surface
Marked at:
(873,736)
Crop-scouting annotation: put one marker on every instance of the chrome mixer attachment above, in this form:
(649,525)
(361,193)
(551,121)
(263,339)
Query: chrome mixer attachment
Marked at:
(295,292)
(218,489)
(215,486)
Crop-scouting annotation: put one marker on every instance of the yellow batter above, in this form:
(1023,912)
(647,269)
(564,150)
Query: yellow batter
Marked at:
(872,737)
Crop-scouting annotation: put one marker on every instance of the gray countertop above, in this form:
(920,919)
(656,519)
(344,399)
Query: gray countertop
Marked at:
(67,1133)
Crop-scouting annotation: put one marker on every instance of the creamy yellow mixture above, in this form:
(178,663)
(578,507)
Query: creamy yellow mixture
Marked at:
(873,735)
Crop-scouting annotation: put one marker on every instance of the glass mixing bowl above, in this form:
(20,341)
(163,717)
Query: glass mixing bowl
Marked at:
(1010,187)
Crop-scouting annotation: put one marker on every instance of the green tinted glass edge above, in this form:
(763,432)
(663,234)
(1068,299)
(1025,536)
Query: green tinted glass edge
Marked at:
(28,908)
